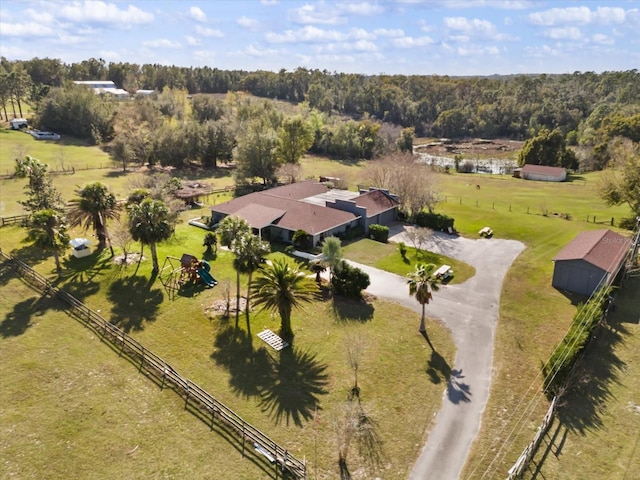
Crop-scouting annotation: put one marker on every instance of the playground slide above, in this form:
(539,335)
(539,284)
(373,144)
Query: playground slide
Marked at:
(206,278)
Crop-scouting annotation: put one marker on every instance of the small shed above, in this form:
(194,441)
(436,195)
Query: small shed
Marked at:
(541,173)
(80,247)
(590,258)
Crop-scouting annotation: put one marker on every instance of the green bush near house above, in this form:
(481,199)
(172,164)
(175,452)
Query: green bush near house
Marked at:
(379,233)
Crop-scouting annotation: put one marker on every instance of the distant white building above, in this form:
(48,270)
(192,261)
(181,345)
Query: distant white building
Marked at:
(106,87)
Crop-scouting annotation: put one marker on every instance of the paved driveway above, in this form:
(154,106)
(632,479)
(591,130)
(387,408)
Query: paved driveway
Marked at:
(470,311)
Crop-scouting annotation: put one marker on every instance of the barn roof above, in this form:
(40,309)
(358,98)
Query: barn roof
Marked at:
(543,169)
(603,248)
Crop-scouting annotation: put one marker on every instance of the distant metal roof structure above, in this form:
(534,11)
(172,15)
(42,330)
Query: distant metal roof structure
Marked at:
(103,86)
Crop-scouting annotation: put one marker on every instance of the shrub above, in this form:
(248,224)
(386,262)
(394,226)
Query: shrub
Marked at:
(379,233)
(628,223)
(349,281)
(301,239)
(435,221)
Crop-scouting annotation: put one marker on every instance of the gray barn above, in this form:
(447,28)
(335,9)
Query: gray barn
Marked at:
(590,258)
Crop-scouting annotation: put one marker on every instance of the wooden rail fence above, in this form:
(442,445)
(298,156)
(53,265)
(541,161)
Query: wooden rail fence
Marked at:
(206,406)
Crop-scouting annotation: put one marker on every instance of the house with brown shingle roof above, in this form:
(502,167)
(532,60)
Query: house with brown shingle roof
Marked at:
(276,214)
(589,260)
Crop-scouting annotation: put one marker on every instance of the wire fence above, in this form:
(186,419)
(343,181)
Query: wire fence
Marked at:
(197,400)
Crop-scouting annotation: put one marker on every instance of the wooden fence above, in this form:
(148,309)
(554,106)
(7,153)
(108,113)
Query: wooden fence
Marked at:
(525,457)
(13,220)
(200,402)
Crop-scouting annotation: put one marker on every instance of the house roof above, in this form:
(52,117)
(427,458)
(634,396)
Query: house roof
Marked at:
(375,201)
(258,207)
(259,216)
(543,169)
(298,190)
(603,248)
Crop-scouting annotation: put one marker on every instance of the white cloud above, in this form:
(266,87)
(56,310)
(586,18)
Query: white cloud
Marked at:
(306,34)
(580,15)
(246,22)
(563,33)
(30,29)
(361,9)
(389,32)
(460,4)
(259,52)
(315,14)
(361,34)
(197,14)
(161,43)
(102,13)
(192,41)
(269,2)
(602,39)
(208,32)
(411,42)
(477,51)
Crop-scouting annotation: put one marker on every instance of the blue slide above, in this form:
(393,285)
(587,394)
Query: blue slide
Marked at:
(206,278)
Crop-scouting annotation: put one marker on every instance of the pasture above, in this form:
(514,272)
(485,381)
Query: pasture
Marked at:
(238,369)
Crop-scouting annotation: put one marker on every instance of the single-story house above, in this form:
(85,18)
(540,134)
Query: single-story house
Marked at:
(541,173)
(276,214)
(588,260)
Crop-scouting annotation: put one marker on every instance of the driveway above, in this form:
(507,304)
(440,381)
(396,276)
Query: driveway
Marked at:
(470,310)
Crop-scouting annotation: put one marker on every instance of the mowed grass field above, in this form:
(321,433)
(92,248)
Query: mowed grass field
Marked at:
(400,380)
(534,317)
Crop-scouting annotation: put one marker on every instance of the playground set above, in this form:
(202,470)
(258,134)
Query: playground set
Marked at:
(190,271)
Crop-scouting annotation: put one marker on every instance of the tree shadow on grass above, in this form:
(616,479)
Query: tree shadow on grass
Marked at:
(288,383)
(297,380)
(20,319)
(581,407)
(350,309)
(7,272)
(134,302)
(249,368)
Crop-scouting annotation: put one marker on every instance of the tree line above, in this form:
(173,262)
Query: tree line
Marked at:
(514,106)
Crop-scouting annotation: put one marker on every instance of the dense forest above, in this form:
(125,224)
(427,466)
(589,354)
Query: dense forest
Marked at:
(343,115)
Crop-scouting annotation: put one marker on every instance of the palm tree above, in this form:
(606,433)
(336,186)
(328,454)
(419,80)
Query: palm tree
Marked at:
(150,223)
(281,288)
(332,253)
(249,250)
(232,227)
(421,284)
(93,208)
(49,231)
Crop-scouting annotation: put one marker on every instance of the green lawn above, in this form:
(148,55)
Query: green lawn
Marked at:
(278,393)
(386,256)
(533,319)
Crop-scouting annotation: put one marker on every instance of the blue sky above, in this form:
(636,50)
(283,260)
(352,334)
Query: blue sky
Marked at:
(443,37)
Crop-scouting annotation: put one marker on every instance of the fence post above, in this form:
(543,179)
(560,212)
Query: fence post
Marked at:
(243,438)
(186,400)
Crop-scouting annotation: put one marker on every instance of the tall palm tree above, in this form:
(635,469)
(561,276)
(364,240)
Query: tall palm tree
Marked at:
(230,229)
(150,223)
(93,208)
(48,231)
(281,288)
(421,284)
(249,250)
(332,253)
